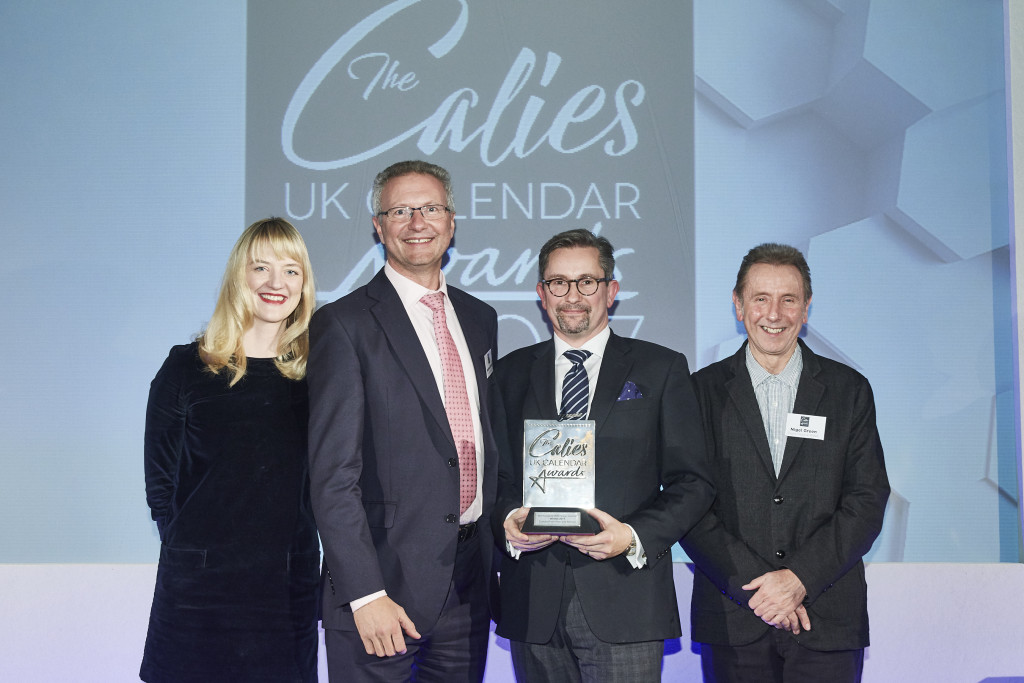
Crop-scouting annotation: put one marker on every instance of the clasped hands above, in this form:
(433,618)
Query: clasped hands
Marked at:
(613,539)
(778,600)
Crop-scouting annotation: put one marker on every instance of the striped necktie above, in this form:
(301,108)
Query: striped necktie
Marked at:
(575,387)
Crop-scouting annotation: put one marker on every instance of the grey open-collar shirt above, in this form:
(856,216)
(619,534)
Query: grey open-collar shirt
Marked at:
(776,395)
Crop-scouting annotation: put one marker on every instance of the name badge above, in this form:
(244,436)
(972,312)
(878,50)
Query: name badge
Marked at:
(488,364)
(805,426)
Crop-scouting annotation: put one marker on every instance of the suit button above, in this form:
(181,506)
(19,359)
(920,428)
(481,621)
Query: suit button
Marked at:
(778,500)
(451,519)
(452,462)
(780,554)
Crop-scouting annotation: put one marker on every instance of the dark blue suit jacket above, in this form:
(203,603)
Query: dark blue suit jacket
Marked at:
(817,517)
(383,466)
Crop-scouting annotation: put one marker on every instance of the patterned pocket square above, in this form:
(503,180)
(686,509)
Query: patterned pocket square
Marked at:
(629,392)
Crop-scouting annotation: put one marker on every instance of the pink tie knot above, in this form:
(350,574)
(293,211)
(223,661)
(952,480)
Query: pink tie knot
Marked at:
(434,301)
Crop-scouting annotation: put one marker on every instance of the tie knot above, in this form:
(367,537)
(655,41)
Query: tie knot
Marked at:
(434,301)
(577,356)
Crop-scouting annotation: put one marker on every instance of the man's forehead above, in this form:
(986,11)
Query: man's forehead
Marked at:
(581,260)
(770,274)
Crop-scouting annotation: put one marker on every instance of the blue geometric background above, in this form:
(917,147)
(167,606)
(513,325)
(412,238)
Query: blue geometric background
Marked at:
(872,136)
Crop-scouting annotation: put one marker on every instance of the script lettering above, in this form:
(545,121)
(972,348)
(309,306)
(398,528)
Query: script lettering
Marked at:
(584,120)
(549,442)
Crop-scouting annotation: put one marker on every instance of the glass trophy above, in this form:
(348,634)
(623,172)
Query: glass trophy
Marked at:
(558,476)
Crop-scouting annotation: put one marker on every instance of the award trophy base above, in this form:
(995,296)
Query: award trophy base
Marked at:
(560,522)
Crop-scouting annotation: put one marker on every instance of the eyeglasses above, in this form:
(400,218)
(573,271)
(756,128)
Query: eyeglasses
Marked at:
(403,214)
(586,286)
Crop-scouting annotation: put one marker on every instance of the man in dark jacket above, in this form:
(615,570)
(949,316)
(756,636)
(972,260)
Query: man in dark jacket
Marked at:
(779,591)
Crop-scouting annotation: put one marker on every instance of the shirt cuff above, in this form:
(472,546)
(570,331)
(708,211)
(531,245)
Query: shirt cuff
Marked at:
(365,600)
(639,558)
(514,552)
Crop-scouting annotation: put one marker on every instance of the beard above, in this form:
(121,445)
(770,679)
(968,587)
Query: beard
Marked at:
(573,325)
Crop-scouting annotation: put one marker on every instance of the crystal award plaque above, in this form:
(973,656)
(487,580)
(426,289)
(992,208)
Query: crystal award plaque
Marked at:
(558,476)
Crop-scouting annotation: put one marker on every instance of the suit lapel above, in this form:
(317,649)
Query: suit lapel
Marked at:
(741,392)
(615,368)
(542,383)
(394,321)
(476,339)
(809,393)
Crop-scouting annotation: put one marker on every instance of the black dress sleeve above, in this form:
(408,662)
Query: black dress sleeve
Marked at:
(165,434)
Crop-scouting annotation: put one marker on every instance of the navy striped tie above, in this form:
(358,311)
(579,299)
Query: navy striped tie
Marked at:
(575,387)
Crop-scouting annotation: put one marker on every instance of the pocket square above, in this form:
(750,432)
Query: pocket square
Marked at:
(629,392)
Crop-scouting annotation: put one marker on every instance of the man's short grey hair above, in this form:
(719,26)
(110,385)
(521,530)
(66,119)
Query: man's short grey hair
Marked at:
(405,168)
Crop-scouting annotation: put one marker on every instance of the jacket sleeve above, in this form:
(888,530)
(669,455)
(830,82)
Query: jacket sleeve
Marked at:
(336,426)
(724,558)
(686,490)
(508,437)
(164,440)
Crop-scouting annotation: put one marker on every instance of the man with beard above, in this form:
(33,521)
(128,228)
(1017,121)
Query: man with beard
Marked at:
(597,606)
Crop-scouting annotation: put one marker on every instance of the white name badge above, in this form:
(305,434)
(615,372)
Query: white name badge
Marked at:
(805,426)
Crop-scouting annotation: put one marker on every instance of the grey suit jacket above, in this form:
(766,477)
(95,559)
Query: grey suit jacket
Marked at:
(817,517)
(383,465)
(652,473)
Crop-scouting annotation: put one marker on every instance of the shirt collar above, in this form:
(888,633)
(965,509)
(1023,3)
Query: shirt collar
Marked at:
(411,292)
(790,374)
(595,344)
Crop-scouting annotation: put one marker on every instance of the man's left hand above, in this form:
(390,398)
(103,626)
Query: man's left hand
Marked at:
(613,539)
(794,621)
(778,595)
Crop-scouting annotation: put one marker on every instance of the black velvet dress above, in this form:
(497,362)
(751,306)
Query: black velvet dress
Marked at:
(227,481)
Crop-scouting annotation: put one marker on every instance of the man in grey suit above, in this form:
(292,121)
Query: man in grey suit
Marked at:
(779,591)
(597,607)
(403,462)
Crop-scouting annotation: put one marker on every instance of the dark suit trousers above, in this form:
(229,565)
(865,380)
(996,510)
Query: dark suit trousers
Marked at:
(453,651)
(575,655)
(776,657)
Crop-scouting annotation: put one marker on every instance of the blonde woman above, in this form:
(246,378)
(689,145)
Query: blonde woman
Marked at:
(227,479)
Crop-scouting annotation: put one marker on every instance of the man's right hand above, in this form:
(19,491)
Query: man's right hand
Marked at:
(524,542)
(380,624)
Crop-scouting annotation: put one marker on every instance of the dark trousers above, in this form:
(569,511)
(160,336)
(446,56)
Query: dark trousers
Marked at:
(453,651)
(776,657)
(575,655)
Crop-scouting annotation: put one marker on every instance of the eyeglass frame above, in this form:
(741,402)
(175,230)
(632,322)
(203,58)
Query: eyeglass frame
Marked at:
(570,283)
(413,209)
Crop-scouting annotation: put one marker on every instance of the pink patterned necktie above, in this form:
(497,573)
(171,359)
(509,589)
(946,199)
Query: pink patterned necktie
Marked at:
(456,400)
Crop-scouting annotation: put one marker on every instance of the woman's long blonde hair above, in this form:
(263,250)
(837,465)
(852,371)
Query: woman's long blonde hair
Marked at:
(220,346)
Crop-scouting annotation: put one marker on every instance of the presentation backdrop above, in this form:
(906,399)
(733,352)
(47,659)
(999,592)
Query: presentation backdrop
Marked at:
(546,118)
(140,140)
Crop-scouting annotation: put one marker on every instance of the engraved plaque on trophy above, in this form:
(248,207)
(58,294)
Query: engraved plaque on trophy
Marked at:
(558,476)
